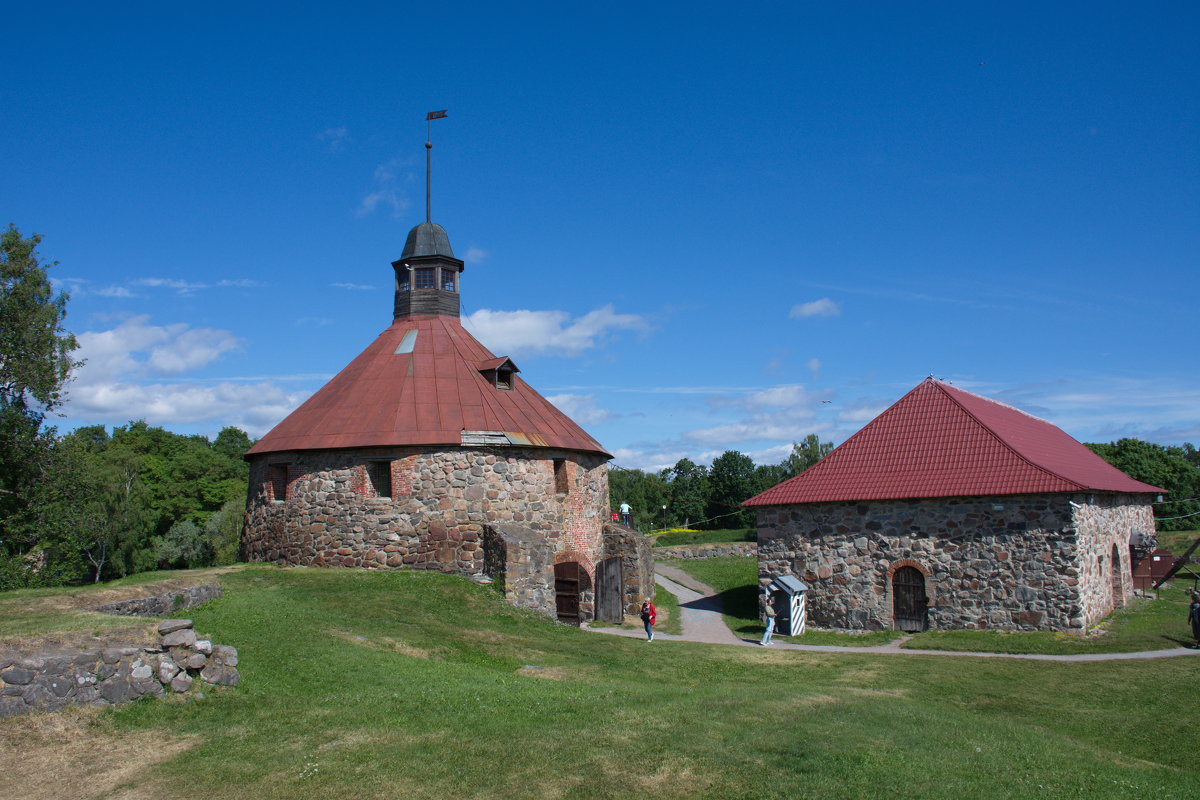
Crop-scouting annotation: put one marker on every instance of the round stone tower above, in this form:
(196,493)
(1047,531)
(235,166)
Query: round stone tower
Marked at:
(428,451)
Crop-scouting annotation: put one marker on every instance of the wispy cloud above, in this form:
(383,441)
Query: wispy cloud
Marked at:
(354,286)
(817,308)
(336,138)
(385,192)
(241,283)
(476,255)
(580,407)
(548,332)
(180,286)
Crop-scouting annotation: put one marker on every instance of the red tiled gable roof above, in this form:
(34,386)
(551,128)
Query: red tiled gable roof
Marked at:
(428,396)
(940,441)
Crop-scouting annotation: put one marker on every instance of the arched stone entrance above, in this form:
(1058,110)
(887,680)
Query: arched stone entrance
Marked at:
(909,599)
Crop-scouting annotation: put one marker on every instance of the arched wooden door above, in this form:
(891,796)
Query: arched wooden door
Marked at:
(909,601)
(566,592)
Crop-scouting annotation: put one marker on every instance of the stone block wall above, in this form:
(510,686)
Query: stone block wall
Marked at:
(522,562)
(440,503)
(1104,524)
(707,550)
(163,604)
(49,681)
(1010,562)
(637,564)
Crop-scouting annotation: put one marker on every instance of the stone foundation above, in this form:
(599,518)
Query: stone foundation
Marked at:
(1028,562)
(49,681)
(332,513)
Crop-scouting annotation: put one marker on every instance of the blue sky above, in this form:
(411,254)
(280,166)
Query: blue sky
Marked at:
(695,227)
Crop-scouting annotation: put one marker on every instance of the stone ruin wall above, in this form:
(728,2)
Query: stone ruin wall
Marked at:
(1022,566)
(1103,523)
(441,502)
(50,681)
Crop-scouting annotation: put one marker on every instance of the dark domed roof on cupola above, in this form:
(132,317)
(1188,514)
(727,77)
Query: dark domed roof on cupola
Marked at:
(427,239)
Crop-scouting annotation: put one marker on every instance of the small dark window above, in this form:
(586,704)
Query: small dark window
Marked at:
(424,278)
(402,282)
(503,378)
(277,479)
(561,484)
(448,279)
(380,475)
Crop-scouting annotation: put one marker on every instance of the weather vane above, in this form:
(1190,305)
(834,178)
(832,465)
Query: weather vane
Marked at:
(432,115)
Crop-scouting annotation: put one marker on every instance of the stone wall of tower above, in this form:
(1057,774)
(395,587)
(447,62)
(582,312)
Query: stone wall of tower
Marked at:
(1025,562)
(331,512)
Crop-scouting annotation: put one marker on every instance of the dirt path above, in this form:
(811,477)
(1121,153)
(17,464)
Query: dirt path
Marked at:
(700,612)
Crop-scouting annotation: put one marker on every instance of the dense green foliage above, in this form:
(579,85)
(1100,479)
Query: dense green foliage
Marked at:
(725,536)
(140,499)
(35,360)
(1175,469)
(373,684)
(690,495)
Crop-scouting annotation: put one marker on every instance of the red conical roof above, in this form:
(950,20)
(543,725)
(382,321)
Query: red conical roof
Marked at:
(940,441)
(429,394)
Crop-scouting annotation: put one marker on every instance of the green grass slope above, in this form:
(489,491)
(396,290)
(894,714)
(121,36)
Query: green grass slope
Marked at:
(405,684)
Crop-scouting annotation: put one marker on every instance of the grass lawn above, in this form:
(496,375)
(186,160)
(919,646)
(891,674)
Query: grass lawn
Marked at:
(1179,541)
(666,606)
(705,537)
(365,684)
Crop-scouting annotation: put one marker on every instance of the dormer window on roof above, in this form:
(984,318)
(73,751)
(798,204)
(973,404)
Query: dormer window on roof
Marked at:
(498,372)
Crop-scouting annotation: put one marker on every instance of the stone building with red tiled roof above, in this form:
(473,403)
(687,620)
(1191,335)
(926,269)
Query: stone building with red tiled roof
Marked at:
(950,510)
(427,451)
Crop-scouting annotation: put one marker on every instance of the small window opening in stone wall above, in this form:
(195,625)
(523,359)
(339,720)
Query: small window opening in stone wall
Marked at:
(424,278)
(277,479)
(561,484)
(380,475)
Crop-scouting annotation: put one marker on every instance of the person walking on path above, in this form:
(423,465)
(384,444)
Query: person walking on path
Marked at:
(648,618)
(769,614)
(626,510)
(1194,617)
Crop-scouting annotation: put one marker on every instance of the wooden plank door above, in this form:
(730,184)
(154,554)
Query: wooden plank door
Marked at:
(566,592)
(610,591)
(909,601)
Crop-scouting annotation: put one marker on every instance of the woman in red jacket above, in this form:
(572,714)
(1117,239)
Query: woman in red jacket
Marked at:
(648,617)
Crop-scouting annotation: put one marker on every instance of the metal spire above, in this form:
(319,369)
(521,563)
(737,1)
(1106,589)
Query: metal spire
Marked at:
(432,115)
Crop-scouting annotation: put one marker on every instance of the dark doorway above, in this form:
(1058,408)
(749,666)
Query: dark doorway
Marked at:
(1118,589)
(610,591)
(566,592)
(909,601)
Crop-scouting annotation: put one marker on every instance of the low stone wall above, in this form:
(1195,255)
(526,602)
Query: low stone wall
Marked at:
(48,681)
(637,564)
(160,605)
(707,550)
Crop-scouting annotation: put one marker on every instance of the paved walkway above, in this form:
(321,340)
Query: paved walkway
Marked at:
(700,612)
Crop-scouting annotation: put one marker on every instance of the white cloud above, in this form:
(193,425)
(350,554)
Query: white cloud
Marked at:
(814,365)
(115,291)
(385,191)
(336,137)
(119,382)
(817,308)
(476,255)
(547,332)
(241,283)
(182,287)
(580,407)
(355,286)
(136,348)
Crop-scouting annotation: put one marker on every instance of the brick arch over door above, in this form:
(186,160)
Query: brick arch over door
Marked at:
(930,589)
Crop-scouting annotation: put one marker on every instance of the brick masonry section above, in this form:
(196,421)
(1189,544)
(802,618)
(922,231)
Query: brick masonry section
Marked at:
(1024,562)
